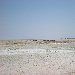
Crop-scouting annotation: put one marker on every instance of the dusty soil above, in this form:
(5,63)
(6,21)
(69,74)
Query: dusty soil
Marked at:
(28,57)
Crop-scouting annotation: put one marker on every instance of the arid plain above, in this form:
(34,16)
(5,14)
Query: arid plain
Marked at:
(37,57)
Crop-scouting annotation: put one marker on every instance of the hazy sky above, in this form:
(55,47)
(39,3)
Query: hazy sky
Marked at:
(39,19)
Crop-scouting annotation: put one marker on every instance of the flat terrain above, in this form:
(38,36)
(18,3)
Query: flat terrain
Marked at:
(37,57)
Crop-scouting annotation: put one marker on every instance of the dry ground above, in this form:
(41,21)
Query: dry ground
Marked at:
(27,57)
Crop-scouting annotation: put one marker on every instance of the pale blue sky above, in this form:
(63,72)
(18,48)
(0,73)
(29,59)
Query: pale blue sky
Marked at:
(37,19)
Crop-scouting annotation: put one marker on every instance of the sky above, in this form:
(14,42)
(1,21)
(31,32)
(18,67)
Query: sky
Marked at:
(37,19)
